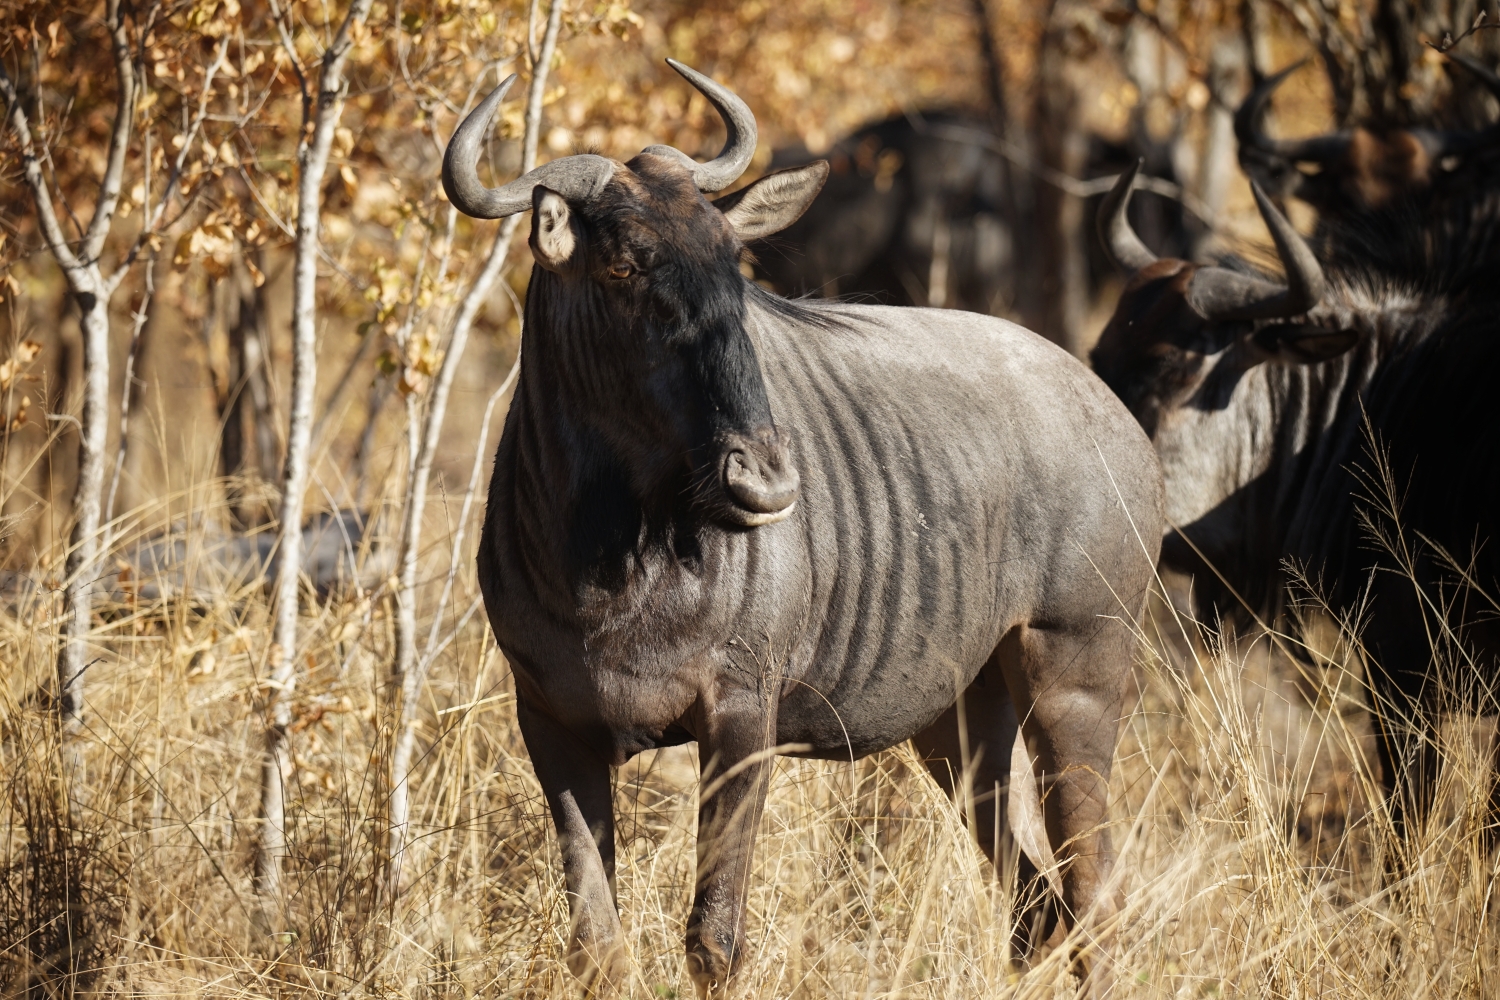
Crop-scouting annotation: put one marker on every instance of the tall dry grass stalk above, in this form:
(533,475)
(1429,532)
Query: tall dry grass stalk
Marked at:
(1251,839)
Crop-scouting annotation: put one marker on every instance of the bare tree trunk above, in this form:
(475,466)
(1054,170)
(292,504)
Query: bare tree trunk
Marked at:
(1018,202)
(320,117)
(407,673)
(91,290)
(87,494)
(256,352)
(129,399)
(991,51)
(1059,225)
(1226,72)
(1255,28)
(246,421)
(234,414)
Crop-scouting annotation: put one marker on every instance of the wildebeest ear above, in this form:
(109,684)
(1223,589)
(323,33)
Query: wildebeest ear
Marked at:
(773,202)
(552,239)
(1301,344)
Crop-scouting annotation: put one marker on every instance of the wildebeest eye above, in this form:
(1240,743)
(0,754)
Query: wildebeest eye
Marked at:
(620,271)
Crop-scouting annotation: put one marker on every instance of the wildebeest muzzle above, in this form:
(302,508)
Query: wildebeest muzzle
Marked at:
(756,475)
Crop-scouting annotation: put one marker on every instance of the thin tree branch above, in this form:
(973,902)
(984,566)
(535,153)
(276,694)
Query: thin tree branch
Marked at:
(57,240)
(291,51)
(152,219)
(331,405)
(119,137)
(531,35)
(288,229)
(313,149)
(432,649)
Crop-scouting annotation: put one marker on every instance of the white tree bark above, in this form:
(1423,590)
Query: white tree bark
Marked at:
(128,398)
(91,289)
(407,672)
(320,117)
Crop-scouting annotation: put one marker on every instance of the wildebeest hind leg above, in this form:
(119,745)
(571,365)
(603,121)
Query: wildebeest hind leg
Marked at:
(576,782)
(984,751)
(1068,684)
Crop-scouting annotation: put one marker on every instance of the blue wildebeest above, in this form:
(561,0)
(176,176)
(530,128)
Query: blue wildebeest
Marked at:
(918,210)
(197,564)
(1387,198)
(913,213)
(775,527)
(1295,423)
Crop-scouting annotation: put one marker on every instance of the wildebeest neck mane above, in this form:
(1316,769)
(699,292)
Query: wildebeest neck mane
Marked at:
(628,427)
(1417,244)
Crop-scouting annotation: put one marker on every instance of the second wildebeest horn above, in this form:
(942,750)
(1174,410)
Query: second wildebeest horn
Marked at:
(1123,246)
(580,177)
(1319,148)
(739,145)
(1218,293)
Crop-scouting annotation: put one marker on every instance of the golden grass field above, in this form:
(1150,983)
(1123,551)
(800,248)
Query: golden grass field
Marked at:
(1250,843)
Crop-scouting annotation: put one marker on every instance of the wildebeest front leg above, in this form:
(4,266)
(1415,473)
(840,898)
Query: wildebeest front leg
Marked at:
(576,783)
(733,744)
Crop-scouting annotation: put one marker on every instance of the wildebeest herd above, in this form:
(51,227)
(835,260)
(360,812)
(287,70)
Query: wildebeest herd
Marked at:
(812,528)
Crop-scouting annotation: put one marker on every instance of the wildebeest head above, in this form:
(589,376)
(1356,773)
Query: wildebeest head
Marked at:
(1179,323)
(1362,169)
(639,283)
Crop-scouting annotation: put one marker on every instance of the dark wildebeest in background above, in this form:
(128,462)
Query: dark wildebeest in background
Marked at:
(774,527)
(198,564)
(910,215)
(1388,199)
(919,210)
(1291,418)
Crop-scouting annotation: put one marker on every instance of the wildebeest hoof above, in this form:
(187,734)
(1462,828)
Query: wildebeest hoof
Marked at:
(600,966)
(709,963)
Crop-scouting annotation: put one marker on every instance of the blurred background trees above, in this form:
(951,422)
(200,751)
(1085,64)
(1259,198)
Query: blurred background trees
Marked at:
(1001,120)
(153,180)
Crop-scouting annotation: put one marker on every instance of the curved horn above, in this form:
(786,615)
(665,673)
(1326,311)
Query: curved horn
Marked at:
(739,144)
(1252,109)
(1304,276)
(1220,294)
(577,177)
(1123,246)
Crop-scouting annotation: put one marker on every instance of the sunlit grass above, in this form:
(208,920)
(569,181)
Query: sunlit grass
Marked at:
(1250,835)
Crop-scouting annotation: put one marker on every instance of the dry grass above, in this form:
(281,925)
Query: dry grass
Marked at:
(1250,842)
